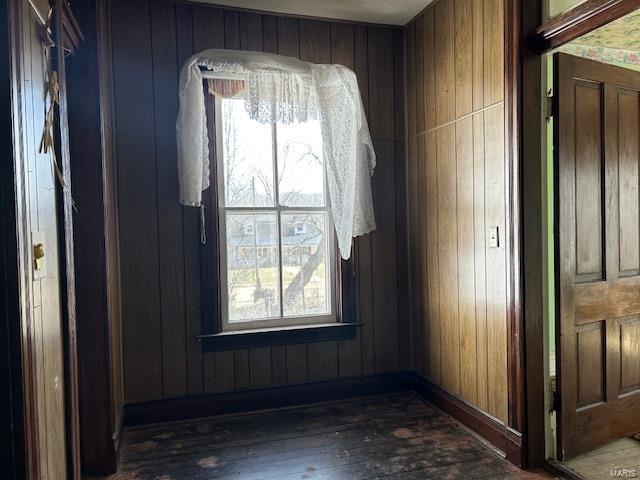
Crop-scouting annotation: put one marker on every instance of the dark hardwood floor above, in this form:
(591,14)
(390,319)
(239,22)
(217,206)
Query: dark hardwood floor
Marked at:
(397,436)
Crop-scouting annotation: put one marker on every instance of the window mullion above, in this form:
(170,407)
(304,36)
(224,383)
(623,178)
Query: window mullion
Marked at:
(276,189)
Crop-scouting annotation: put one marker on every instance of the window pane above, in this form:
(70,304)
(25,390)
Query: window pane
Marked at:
(248,158)
(305,276)
(252,266)
(300,165)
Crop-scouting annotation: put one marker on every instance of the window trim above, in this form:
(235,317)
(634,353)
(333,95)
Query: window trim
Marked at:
(212,336)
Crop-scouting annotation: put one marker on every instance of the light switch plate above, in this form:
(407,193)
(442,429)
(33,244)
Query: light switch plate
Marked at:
(494,237)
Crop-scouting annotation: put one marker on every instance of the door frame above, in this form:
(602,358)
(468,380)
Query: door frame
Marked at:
(539,37)
(17,267)
(14,459)
(15,260)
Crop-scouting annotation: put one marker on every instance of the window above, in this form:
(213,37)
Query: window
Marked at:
(276,243)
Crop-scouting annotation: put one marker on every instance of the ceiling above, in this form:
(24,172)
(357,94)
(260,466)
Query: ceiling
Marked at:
(388,12)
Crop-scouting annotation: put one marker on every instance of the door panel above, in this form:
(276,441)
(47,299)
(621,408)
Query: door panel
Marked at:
(597,144)
(45,329)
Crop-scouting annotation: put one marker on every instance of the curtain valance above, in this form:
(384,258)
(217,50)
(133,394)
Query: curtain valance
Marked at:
(287,90)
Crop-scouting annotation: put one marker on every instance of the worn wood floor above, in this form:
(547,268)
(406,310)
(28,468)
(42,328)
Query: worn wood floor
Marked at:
(395,437)
(621,459)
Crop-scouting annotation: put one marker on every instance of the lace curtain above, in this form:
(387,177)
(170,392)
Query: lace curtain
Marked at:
(287,90)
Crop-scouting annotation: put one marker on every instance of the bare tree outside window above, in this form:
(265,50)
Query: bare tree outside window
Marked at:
(276,219)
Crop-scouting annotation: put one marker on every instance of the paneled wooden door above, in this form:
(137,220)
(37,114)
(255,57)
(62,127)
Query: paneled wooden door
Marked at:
(43,328)
(597,144)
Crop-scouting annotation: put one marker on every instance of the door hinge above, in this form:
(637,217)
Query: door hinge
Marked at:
(549,106)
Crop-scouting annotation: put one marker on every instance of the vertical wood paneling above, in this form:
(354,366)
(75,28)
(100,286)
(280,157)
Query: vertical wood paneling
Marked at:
(448,257)
(365,279)
(162,355)
(428,33)
(231,29)
(480,260)
(288,37)
(493,51)
(165,83)
(134,107)
(445,62)
(422,331)
(400,192)
(478,54)
(420,327)
(412,192)
(242,369)
(496,263)
(260,367)
(133,74)
(432,258)
(269,34)
(460,193)
(383,240)
(464,56)
(420,59)
(142,340)
(278,365)
(251,32)
(466,258)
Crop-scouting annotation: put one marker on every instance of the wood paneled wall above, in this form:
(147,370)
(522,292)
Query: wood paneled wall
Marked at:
(114,294)
(98,308)
(159,240)
(457,191)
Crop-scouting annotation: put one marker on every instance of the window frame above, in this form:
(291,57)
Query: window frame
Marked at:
(226,324)
(213,335)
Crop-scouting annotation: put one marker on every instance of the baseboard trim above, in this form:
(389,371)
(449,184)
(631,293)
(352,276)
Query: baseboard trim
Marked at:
(210,405)
(507,441)
(557,468)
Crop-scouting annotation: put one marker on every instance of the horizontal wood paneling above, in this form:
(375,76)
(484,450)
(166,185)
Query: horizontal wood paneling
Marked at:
(457,191)
(159,240)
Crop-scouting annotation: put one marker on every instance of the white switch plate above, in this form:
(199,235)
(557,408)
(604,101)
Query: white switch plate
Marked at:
(494,237)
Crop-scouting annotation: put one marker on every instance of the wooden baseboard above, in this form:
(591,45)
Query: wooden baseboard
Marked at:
(209,405)
(506,440)
(558,469)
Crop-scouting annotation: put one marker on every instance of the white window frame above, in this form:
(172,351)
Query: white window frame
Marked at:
(330,255)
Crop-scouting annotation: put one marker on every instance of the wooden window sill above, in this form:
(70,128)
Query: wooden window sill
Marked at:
(271,337)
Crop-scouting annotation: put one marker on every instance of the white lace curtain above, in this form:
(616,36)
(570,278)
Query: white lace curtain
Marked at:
(287,90)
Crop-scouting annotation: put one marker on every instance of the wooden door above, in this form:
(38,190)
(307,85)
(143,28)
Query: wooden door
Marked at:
(597,143)
(43,347)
